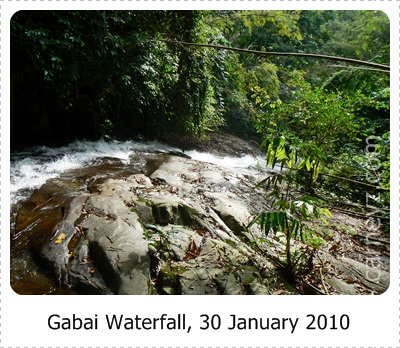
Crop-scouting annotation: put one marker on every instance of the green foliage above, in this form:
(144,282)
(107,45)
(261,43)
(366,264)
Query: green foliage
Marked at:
(370,166)
(369,94)
(307,129)
(293,153)
(247,78)
(317,131)
(353,34)
(359,34)
(92,66)
(266,28)
(383,152)
(99,70)
(289,218)
(195,106)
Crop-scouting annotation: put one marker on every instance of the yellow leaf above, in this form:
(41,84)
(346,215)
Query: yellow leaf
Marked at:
(60,238)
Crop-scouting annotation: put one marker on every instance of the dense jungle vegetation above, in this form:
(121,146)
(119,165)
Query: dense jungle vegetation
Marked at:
(90,74)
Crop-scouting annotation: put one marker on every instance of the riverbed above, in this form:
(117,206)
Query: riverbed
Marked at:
(140,217)
(44,180)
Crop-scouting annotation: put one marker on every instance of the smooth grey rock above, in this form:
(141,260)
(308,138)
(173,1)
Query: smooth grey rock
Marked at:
(229,285)
(169,209)
(117,243)
(375,279)
(176,173)
(197,281)
(233,213)
(342,287)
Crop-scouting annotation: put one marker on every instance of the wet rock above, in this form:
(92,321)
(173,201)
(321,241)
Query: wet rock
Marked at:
(177,173)
(87,279)
(55,252)
(113,240)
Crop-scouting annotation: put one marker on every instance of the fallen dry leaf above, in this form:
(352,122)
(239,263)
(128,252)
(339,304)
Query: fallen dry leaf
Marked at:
(60,238)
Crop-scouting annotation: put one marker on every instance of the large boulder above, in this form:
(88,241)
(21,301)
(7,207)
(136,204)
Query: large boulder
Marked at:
(170,232)
(180,227)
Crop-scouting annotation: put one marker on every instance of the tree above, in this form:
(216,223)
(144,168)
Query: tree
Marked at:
(97,72)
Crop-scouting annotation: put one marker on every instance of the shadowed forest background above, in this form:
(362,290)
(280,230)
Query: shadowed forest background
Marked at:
(84,74)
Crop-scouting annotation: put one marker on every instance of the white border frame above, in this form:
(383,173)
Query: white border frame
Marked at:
(23,319)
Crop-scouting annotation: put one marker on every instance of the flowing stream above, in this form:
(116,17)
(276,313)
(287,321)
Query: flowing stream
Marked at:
(31,168)
(44,180)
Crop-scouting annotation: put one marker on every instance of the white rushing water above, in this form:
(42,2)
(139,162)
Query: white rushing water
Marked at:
(30,169)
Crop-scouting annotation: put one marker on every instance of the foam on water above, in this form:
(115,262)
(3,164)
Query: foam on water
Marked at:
(31,168)
(245,161)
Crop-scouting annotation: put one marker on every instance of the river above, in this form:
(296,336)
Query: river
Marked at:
(44,180)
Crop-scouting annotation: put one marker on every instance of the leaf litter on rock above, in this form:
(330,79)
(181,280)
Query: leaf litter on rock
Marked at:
(60,238)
